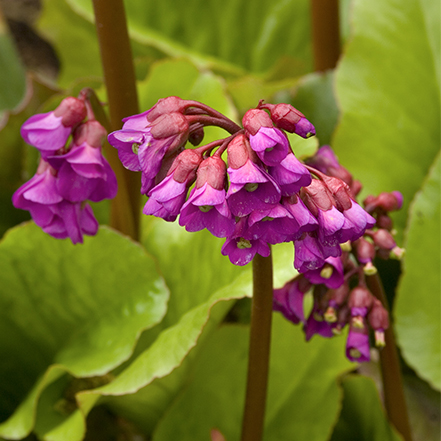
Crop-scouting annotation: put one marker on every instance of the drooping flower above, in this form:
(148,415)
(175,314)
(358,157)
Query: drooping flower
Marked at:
(290,174)
(289,299)
(167,198)
(357,344)
(241,250)
(270,143)
(207,207)
(48,132)
(251,187)
(330,274)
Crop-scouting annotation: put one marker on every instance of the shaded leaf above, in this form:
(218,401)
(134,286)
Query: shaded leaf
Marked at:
(362,416)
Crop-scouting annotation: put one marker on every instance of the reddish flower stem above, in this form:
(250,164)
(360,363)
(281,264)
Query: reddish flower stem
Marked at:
(119,77)
(325,34)
(259,349)
(394,399)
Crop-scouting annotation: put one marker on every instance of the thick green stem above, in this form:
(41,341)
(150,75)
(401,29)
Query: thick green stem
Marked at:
(394,399)
(119,76)
(259,349)
(325,34)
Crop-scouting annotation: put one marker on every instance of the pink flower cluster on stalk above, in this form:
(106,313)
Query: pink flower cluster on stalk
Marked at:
(69,174)
(250,189)
(340,295)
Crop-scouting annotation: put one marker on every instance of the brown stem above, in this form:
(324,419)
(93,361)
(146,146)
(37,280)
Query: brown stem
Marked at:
(119,77)
(259,349)
(325,34)
(394,399)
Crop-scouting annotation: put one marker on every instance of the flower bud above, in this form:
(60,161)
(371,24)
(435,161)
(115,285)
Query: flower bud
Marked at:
(164,106)
(185,165)
(254,119)
(239,151)
(91,132)
(72,111)
(383,239)
(288,118)
(360,300)
(212,171)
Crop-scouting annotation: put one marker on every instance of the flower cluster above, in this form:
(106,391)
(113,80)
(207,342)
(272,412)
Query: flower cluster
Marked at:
(261,194)
(69,173)
(340,295)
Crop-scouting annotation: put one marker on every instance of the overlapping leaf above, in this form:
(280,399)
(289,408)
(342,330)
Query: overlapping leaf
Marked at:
(232,36)
(388,90)
(68,308)
(303,400)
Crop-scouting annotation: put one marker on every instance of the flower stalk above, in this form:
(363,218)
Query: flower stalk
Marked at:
(259,349)
(394,400)
(119,77)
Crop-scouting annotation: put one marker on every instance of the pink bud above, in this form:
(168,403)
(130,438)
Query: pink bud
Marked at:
(91,132)
(72,110)
(254,119)
(212,170)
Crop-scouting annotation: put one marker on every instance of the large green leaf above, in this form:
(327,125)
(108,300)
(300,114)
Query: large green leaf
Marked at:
(417,307)
(233,35)
(388,90)
(203,287)
(65,308)
(303,399)
(362,416)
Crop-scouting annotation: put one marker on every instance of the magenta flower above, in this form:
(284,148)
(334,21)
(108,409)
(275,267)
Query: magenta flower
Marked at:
(316,324)
(241,250)
(71,220)
(207,207)
(270,144)
(167,198)
(357,344)
(251,187)
(273,225)
(308,253)
(290,174)
(331,274)
(48,132)
(289,299)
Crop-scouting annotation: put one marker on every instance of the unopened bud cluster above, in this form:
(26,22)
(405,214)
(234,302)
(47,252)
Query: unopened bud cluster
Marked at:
(340,295)
(69,173)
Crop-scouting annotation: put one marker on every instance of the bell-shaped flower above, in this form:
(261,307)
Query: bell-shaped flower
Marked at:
(240,250)
(167,198)
(251,187)
(290,174)
(48,132)
(270,143)
(357,344)
(331,274)
(206,206)
(308,254)
(289,299)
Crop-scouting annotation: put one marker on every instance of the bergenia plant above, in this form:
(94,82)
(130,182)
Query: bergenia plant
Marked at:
(251,183)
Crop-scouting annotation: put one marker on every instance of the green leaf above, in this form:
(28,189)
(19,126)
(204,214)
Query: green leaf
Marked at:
(74,40)
(12,73)
(68,308)
(362,416)
(388,91)
(303,399)
(231,36)
(417,307)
